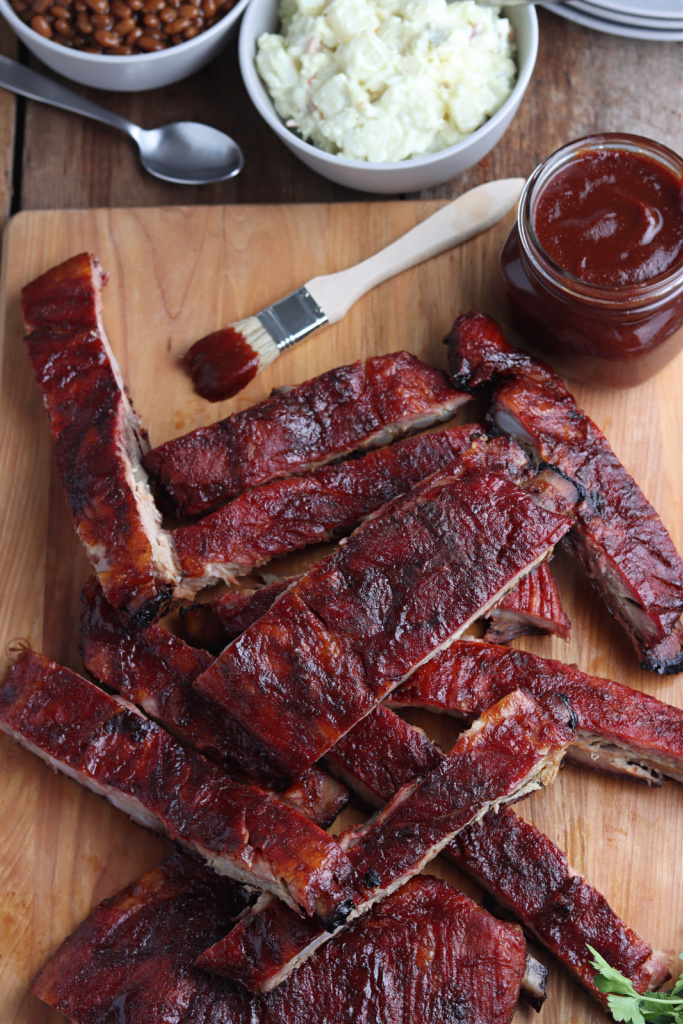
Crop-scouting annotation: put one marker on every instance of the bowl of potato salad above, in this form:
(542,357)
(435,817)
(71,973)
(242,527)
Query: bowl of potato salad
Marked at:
(387,95)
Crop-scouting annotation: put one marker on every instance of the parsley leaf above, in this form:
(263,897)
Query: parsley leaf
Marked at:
(631,1007)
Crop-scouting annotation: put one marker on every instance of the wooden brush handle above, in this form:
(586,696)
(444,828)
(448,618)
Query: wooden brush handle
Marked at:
(470,214)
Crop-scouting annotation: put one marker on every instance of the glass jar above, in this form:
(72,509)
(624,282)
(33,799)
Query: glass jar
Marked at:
(604,334)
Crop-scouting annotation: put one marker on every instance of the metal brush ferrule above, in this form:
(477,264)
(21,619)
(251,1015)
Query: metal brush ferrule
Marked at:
(292,318)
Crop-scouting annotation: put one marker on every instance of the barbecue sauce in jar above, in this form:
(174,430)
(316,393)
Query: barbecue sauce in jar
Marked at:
(593,269)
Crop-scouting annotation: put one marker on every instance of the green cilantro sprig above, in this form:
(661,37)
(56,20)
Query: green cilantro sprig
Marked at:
(630,1006)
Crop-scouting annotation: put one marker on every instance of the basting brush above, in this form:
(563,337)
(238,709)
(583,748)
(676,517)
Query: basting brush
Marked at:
(223,363)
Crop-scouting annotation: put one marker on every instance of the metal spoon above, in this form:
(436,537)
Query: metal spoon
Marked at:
(187,152)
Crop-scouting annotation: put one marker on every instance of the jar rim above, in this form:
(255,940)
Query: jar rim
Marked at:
(607,295)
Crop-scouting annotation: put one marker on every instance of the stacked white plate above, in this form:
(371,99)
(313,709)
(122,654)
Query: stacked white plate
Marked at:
(660,20)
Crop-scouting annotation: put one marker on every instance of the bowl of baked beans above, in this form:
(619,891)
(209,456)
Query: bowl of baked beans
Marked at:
(124,45)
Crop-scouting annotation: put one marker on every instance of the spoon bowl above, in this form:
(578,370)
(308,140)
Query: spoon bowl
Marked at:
(189,153)
(186,152)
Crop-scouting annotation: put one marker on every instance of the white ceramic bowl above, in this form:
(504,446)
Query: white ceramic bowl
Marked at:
(137,72)
(408,175)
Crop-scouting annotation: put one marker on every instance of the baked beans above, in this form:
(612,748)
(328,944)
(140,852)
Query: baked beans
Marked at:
(120,26)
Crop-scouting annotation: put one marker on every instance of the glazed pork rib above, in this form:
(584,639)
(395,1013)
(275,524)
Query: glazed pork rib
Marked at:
(513,749)
(287,515)
(407,582)
(382,753)
(528,875)
(215,624)
(352,408)
(620,730)
(136,953)
(155,669)
(110,747)
(520,867)
(618,537)
(534,606)
(99,441)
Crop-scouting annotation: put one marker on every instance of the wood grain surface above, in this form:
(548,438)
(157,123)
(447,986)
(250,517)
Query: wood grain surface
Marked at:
(176,274)
(8,111)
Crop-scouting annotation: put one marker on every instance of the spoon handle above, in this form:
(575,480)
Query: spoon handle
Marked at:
(23,80)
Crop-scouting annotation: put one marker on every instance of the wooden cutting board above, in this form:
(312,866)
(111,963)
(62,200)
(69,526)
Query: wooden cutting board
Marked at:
(177,274)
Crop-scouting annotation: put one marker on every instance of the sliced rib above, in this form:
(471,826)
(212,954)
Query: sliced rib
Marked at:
(99,440)
(529,875)
(381,754)
(427,953)
(523,870)
(513,749)
(619,538)
(407,582)
(534,606)
(110,747)
(151,669)
(155,670)
(287,515)
(215,624)
(352,408)
(620,730)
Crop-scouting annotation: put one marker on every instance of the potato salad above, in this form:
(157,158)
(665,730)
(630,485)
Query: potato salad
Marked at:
(386,80)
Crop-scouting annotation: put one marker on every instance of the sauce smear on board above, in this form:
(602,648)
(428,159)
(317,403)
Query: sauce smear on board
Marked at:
(221,364)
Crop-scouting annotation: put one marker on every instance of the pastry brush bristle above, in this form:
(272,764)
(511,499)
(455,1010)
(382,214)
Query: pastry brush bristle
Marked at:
(258,338)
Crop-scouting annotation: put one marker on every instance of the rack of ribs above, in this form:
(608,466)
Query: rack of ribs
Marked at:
(155,670)
(287,515)
(618,538)
(110,747)
(351,408)
(99,441)
(534,606)
(520,867)
(513,749)
(619,730)
(407,582)
(382,753)
(137,951)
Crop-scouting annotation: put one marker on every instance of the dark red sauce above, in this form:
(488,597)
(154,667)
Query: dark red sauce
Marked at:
(612,218)
(593,270)
(221,364)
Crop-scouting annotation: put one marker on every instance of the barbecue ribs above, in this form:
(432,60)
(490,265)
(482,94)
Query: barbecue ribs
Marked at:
(352,408)
(620,730)
(408,581)
(513,749)
(427,953)
(154,669)
(618,537)
(99,441)
(114,750)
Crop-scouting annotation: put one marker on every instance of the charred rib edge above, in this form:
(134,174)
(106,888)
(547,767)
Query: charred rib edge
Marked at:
(542,774)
